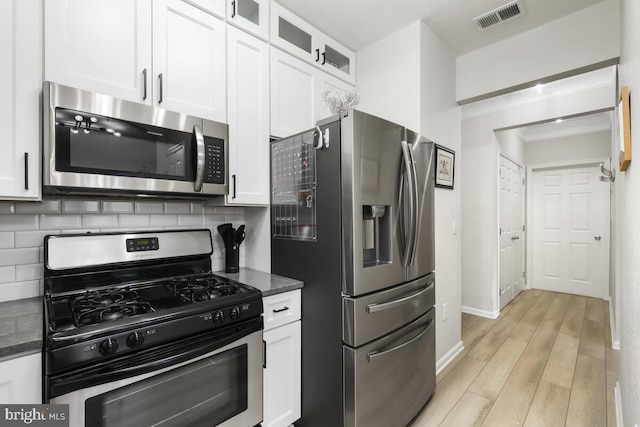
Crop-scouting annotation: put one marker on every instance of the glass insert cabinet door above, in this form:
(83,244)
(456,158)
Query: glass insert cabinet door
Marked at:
(251,15)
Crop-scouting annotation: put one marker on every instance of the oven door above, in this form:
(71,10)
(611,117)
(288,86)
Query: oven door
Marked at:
(222,387)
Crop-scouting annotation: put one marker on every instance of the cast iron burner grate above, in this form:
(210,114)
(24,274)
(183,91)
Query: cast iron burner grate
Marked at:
(202,288)
(105,305)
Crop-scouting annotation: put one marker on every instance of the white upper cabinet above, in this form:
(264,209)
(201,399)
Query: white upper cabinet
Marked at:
(250,15)
(301,39)
(101,46)
(20,89)
(248,114)
(168,53)
(294,96)
(189,65)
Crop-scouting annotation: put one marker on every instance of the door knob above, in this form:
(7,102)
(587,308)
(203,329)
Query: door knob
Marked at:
(597,237)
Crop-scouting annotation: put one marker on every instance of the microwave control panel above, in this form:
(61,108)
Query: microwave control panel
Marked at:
(214,160)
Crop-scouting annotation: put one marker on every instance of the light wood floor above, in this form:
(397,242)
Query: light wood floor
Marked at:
(546,361)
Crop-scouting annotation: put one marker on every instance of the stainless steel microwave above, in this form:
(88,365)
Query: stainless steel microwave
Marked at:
(97,144)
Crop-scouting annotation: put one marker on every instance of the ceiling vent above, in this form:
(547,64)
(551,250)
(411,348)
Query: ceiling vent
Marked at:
(496,16)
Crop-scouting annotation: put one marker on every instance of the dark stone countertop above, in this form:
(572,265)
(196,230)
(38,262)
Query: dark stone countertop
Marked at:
(21,326)
(268,284)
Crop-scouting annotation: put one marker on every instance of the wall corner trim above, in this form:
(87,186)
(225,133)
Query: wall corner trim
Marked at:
(448,357)
(615,339)
(618,404)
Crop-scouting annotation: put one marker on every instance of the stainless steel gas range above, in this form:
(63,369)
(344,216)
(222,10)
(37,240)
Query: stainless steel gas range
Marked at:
(138,332)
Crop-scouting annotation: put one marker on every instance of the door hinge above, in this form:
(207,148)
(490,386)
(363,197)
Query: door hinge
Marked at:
(523,228)
(501,231)
(523,274)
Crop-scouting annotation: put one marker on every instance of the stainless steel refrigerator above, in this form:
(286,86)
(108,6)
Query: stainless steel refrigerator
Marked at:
(352,216)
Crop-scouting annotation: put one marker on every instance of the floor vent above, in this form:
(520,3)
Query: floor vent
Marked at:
(496,16)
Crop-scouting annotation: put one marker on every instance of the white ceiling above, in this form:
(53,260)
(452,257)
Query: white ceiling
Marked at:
(358,23)
(591,123)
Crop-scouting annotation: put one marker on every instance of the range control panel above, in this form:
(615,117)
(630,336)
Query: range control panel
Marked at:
(143,244)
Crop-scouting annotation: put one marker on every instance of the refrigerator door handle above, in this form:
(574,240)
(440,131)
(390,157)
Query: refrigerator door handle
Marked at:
(372,308)
(374,355)
(416,207)
(409,235)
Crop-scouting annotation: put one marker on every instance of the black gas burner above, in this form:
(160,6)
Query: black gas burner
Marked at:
(104,305)
(202,288)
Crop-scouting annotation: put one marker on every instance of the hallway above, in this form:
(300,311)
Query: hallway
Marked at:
(546,361)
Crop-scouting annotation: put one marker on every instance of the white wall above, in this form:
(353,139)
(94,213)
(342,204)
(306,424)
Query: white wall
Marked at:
(480,148)
(388,77)
(576,147)
(551,49)
(628,284)
(409,78)
(511,145)
(23,226)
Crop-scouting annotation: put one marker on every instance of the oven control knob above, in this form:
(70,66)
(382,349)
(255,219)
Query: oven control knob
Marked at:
(108,347)
(135,340)
(218,317)
(235,313)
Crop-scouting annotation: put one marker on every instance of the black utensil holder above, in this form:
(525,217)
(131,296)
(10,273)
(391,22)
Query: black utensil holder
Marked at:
(232,259)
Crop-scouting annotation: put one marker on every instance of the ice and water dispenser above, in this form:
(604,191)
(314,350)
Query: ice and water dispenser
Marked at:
(376,235)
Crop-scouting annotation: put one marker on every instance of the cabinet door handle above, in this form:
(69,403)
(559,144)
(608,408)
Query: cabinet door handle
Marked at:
(160,98)
(281,310)
(233,9)
(324,58)
(264,354)
(317,55)
(26,171)
(233,178)
(144,85)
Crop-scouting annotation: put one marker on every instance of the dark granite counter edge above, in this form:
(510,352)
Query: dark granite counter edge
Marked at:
(21,327)
(269,284)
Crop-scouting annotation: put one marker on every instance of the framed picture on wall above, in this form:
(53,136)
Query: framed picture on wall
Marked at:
(445,165)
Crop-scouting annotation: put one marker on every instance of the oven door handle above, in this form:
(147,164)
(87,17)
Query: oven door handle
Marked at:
(200,148)
(128,367)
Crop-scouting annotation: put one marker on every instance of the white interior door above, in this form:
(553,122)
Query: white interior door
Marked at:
(511,230)
(571,231)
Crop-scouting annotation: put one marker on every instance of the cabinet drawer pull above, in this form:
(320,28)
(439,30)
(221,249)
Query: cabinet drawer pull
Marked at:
(324,58)
(317,55)
(233,9)
(26,171)
(281,310)
(161,90)
(144,86)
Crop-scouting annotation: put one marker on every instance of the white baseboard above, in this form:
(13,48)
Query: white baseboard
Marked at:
(448,357)
(618,403)
(481,313)
(615,339)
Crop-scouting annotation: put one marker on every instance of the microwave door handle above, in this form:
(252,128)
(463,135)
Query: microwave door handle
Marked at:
(197,132)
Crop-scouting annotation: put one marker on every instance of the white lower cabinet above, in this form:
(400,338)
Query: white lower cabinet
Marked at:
(282,371)
(21,380)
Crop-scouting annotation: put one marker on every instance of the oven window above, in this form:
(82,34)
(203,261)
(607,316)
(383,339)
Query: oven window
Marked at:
(107,146)
(203,393)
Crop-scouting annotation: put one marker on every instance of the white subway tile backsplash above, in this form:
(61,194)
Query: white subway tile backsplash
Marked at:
(223,210)
(19,290)
(8,274)
(177,207)
(120,206)
(99,221)
(190,220)
(18,222)
(60,222)
(80,206)
(7,239)
(163,220)
(43,207)
(20,256)
(32,239)
(7,208)
(197,208)
(29,272)
(213,220)
(125,220)
(149,207)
